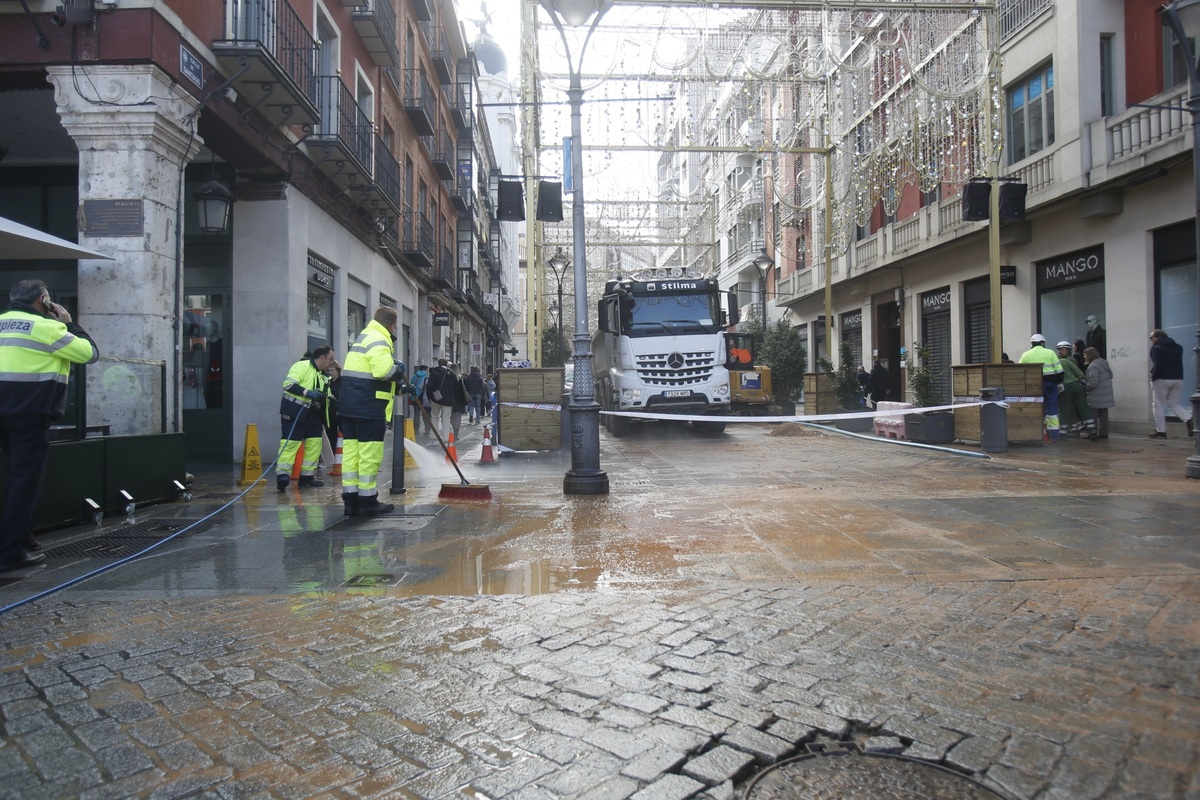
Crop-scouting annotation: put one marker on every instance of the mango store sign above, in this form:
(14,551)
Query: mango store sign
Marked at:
(1081,266)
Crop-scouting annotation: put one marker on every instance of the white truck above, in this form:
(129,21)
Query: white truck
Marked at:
(660,348)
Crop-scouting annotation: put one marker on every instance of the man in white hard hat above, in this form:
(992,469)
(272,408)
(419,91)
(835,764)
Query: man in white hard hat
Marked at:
(1052,380)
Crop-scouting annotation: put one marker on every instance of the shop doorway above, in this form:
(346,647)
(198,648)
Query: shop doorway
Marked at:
(207,351)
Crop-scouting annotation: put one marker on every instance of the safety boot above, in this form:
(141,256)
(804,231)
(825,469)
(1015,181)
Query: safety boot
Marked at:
(350,504)
(310,482)
(371,507)
(281,481)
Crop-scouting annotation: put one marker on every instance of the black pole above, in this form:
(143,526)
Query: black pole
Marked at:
(562,355)
(398,448)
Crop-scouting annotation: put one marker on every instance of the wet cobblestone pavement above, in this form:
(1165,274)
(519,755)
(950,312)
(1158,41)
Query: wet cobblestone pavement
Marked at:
(1030,620)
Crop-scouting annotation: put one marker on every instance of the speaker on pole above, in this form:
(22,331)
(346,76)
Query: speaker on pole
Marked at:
(549,206)
(976,196)
(1012,200)
(510,202)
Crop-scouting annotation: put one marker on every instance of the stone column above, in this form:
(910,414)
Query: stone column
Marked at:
(133,129)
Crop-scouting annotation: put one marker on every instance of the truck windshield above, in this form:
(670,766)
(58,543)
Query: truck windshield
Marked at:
(666,315)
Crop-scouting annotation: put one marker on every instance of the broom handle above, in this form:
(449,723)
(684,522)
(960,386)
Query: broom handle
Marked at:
(432,427)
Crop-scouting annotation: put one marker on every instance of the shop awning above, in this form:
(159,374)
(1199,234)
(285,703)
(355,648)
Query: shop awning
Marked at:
(20,242)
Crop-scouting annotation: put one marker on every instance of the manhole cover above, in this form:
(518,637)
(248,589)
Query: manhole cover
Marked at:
(864,776)
(128,539)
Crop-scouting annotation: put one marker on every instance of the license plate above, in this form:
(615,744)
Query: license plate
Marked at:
(677,393)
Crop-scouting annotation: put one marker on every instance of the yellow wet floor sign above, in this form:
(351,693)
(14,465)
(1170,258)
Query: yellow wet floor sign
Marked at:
(251,457)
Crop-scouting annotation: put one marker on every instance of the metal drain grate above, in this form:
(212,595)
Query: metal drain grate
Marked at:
(127,540)
(847,772)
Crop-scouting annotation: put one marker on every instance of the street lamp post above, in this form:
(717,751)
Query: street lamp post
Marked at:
(558,265)
(1183,17)
(585,475)
(763,262)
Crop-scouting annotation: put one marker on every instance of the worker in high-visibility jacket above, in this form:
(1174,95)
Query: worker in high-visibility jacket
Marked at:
(371,377)
(303,415)
(38,344)
(1052,380)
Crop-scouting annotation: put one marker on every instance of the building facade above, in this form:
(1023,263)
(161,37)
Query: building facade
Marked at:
(348,137)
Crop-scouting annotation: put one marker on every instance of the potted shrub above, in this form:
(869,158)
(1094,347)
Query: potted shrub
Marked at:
(843,382)
(928,427)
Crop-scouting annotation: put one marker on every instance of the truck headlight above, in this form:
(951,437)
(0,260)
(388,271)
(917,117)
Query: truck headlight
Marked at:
(631,395)
(721,390)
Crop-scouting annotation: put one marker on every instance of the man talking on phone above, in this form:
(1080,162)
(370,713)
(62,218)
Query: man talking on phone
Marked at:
(38,344)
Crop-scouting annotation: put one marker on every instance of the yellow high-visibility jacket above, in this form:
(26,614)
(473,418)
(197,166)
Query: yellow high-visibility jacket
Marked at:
(36,354)
(369,375)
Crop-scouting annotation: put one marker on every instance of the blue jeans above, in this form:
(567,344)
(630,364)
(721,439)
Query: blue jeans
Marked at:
(475,409)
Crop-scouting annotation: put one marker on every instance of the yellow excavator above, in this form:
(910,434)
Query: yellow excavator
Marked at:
(749,381)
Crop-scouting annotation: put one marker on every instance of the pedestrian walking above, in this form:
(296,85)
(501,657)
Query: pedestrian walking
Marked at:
(303,417)
(489,383)
(1075,416)
(1099,387)
(370,380)
(461,400)
(1166,380)
(1052,378)
(440,389)
(475,392)
(38,344)
(419,377)
(878,384)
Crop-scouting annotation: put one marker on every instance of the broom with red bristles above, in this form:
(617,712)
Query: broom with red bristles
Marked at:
(450,491)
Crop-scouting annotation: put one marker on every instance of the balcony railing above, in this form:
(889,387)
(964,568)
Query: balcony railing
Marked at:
(274,56)
(1016,14)
(387,176)
(460,109)
(439,51)
(343,126)
(1139,129)
(416,240)
(419,102)
(440,148)
(375,21)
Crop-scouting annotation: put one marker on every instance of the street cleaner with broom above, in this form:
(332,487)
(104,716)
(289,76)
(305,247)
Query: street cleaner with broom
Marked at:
(371,378)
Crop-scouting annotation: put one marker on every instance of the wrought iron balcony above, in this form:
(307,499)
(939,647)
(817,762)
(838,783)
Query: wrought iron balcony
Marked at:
(417,242)
(274,57)
(440,148)
(342,142)
(419,102)
(460,193)
(460,109)
(375,21)
(383,193)
(422,10)
(444,277)
(439,50)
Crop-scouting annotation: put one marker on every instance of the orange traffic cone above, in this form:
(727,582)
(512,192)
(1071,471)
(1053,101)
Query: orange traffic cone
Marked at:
(487,456)
(337,457)
(299,460)
(451,453)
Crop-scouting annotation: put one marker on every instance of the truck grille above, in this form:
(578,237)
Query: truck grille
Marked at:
(677,369)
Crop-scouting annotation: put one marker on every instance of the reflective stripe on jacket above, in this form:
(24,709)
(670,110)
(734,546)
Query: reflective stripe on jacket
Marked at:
(302,377)
(1051,369)
(36,354)
(369,375)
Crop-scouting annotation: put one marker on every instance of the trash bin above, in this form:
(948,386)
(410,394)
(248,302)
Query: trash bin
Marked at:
(993,421)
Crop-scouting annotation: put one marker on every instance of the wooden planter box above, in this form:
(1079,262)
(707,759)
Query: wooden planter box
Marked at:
(818,395)
(529,428)
(1022,385)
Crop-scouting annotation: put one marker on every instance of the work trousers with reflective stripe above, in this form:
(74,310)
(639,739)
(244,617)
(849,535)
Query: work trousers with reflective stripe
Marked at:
(309,430)
(1050,408)
(26,441)
(362,455)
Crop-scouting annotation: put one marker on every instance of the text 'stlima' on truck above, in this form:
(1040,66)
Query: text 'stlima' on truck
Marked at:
(660,349)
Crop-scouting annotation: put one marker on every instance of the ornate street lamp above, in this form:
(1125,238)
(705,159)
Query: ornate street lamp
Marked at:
(763,262)
(213,201)
(558,265)
(1183,17)
(585,475)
